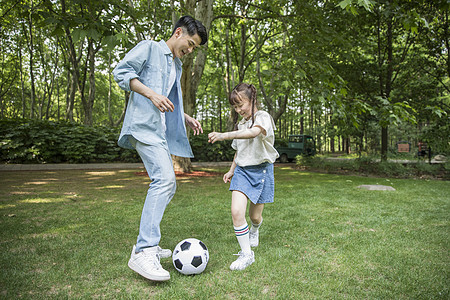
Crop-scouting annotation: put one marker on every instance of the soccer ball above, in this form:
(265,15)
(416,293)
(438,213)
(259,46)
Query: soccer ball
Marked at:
(190,256)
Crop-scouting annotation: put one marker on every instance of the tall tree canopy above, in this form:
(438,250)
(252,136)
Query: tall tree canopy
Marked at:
(355,73)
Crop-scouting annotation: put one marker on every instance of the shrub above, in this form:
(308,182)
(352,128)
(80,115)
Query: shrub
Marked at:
(39,141)
(423,168)
(309,161)
(370,165)
(204,151)
(391,169)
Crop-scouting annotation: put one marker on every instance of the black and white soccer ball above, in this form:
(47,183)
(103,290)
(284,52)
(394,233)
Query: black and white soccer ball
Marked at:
(190,256)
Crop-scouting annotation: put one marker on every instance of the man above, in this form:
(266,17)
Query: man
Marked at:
(154,125)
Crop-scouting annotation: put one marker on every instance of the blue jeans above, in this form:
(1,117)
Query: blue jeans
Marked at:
(158,163)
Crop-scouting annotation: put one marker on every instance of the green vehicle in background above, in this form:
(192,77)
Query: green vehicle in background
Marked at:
(299,144)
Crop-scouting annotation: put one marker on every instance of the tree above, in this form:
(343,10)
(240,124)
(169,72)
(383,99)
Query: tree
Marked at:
(385,57)
(363,72)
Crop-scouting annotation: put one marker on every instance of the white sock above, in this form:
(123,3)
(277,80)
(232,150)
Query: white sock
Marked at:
(242,237)
(255,227)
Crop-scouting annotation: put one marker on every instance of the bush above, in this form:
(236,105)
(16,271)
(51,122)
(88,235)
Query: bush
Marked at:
(204,151)
(38,141)
(391,169)
(369,165)
(308,161)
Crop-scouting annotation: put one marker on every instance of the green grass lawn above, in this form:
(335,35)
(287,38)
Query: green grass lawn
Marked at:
(68,234)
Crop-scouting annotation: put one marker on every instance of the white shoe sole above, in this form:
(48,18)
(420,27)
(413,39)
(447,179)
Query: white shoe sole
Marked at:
(239,267)
(233,268)
(141,272)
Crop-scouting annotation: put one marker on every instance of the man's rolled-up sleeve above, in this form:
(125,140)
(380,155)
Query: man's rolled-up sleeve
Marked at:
(131,65)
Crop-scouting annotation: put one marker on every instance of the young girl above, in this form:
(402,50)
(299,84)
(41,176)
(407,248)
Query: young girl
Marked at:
(251,172)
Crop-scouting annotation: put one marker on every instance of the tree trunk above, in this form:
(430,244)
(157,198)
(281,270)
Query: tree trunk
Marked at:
(192,71)
(70,99)
(347,145)
(111,122)
(122,116)
(229,76)
(22,83)
(388,88)
(51,87)
(77,80)
(181,164)
(90,101)
(31,59)
(302,121)
(57,99)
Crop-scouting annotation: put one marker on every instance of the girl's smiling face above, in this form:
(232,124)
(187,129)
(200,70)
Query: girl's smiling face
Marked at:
(244,107)
(243,100)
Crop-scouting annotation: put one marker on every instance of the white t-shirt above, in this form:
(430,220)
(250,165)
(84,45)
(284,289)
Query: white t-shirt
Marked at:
(172,77)
(255,151)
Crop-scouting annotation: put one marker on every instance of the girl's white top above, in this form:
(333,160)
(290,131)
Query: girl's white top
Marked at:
(255,151)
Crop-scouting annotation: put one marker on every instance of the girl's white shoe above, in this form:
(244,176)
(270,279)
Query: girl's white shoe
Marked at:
(244,260)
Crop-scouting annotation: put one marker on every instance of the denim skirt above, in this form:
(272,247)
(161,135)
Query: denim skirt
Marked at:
(256,182)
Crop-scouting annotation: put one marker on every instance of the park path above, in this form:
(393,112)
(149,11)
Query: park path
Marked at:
(109,166)
(94,166)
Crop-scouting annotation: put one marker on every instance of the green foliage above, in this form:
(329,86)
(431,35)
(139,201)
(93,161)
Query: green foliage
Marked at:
(36,141)
(390,169)
(204,151)
(437,134)
(329,58)
(368,165)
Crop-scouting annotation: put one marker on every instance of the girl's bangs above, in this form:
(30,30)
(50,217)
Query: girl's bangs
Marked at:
(234,98)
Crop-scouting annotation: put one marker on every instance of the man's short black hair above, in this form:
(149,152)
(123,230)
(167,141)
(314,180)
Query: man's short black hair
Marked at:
(192,27)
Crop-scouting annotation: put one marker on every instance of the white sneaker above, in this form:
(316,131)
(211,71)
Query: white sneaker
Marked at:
(244,260)
(254,238)
(164,253)
(146,263)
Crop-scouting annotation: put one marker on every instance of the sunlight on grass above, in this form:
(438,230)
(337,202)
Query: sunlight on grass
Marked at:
(42,200)
(185,180)
(110,187)
(20,193)
(36,183)
(3,206)
(71,229)
(102,173)
(99,175)
(130,171)
(41,182)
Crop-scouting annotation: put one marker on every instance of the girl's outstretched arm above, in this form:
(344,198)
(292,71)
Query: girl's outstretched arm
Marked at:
(239,134)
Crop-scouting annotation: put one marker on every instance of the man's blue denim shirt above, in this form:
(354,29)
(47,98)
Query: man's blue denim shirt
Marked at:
(150,62)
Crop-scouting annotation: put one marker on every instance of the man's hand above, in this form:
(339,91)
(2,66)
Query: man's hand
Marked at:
(194,124)
(162,103)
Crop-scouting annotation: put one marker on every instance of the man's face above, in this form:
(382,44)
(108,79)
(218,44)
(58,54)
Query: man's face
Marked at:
(184,43)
